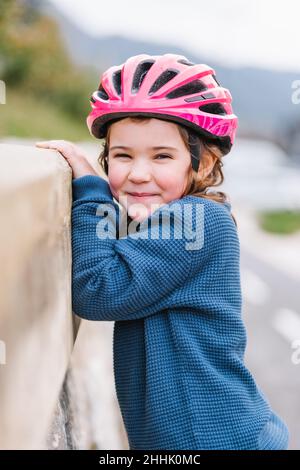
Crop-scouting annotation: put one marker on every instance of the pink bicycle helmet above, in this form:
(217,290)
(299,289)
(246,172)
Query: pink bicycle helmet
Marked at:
(167,87)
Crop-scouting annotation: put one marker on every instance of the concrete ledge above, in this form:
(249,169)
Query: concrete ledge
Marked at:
(56,371)
(36,321)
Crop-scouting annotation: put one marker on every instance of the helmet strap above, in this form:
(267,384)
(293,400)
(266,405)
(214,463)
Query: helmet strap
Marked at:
(195,150)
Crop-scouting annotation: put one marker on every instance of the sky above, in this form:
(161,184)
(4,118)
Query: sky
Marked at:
(262,33)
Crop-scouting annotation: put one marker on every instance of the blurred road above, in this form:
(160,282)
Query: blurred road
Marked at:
(272,317)
(259,175)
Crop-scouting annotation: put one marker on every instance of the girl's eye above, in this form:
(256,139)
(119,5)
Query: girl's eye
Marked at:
(125,155)
(121,155)
(164,155)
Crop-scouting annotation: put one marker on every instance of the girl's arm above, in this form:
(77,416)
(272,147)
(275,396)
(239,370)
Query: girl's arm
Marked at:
(72,154)
(126,278)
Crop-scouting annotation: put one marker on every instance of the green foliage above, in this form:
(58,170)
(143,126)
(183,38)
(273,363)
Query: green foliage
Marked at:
(33,62)
(35,120)
(281,222)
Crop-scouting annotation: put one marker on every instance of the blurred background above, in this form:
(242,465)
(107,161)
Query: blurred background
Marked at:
(52,55)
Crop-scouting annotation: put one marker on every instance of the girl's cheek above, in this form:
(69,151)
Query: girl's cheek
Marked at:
(114,191)
(116,181)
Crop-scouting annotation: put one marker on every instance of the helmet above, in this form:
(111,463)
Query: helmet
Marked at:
(168,87)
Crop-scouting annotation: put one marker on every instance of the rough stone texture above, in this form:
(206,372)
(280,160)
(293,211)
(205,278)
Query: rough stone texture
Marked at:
(88,406)
(43,406)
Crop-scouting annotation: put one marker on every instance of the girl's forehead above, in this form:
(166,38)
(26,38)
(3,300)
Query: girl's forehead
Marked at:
(156,125)
(146,134)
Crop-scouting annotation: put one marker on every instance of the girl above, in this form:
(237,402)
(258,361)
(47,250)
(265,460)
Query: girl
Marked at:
(175,297)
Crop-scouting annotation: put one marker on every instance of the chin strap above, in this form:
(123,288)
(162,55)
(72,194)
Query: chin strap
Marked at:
(195,149)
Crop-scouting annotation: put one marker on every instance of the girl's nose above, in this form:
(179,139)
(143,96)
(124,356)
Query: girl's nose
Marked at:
(139,173)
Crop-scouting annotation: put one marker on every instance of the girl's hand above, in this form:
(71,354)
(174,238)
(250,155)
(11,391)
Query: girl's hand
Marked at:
(72,154)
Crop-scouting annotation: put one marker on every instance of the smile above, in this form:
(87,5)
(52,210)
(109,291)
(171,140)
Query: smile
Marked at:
(142,195)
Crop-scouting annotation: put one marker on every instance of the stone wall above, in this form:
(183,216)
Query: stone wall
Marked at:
(56,370)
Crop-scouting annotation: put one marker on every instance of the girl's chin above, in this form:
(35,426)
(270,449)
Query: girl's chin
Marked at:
(138,211)
(138,214)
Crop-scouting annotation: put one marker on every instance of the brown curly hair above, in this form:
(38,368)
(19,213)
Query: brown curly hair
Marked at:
(197,185)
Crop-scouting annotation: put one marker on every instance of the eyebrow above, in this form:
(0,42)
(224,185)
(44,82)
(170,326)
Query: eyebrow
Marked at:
(157,147)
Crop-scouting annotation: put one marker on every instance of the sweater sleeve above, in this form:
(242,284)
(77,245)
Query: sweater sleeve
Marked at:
(124,278)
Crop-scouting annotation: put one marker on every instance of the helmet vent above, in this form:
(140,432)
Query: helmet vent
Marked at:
(213,108)
(164,78)
(216,80)
(195,86)
(116,78)
(102,93)
(185,62)
(140,74)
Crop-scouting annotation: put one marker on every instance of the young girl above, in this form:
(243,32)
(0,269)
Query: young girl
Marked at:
(174,294)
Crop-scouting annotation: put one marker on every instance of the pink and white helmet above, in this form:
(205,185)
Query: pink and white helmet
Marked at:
(168,87)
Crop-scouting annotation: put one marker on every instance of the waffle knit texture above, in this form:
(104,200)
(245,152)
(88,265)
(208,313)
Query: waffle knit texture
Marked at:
(179,338)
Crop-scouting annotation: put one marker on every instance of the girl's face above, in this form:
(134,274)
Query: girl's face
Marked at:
(136,167)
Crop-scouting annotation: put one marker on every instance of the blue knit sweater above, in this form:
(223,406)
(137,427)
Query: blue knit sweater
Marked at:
(179,338)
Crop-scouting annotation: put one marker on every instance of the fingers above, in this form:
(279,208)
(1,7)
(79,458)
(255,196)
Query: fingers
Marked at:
(53,144)
(66,148)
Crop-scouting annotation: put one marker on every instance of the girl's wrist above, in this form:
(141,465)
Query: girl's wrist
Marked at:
(82,167)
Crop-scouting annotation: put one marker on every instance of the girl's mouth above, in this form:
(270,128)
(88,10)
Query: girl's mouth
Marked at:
(142,195)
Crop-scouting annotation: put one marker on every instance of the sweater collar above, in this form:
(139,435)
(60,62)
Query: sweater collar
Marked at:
(227,205)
